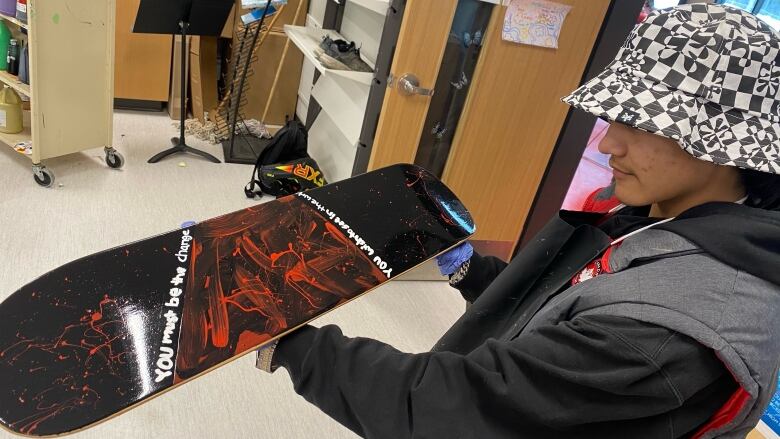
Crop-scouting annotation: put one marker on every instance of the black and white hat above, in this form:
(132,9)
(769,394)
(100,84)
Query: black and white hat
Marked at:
(705,75)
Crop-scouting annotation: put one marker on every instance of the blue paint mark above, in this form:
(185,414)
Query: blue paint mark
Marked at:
(460,216)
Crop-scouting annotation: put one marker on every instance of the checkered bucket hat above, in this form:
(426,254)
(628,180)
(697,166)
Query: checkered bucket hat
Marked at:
(707,76)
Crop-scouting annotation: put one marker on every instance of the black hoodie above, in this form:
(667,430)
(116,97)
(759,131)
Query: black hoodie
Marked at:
(596,376)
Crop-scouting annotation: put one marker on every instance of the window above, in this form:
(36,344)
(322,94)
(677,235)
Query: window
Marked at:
(770,12)
(767,10)
(747,5)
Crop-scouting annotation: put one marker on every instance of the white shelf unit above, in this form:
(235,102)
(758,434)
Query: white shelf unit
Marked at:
(308,39)
(331,149)
(345,102)
(71,90)
(341,95)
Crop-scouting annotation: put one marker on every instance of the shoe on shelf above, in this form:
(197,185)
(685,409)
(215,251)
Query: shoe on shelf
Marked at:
(353,61)
(344,53)
(328,61)
(334,47)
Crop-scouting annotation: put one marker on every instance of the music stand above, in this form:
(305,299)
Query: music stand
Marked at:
(182,17)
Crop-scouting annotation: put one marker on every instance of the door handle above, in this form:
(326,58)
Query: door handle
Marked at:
(409,85)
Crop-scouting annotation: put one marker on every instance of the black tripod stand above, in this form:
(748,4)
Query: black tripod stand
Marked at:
(180,143)
(192,17)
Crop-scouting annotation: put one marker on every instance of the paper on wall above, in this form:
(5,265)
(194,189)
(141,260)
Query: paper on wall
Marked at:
(534,22)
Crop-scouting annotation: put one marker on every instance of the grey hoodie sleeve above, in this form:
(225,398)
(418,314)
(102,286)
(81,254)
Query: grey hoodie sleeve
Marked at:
(599,377)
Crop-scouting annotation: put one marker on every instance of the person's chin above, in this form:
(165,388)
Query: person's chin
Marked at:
(629,196)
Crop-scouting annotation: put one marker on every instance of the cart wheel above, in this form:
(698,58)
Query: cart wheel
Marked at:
(114,159)
(43,177)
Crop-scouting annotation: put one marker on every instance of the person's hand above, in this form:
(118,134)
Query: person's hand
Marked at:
(452,260)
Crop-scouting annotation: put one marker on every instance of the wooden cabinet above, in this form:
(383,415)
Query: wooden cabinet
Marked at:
(143,62)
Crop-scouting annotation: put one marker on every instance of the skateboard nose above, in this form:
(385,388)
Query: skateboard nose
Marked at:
(446,201)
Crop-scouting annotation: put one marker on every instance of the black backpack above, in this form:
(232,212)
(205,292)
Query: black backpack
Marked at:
(284,167)
(290,143)
(285,178)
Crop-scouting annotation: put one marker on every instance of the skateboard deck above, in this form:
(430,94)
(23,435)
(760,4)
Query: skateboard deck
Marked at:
(104,333)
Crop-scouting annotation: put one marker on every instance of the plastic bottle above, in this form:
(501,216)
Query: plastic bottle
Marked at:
(10,111)
(13,57)
(21,10)
(24,64)
(5,39)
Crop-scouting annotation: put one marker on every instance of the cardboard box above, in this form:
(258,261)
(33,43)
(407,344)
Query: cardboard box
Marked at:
(174,97)
(203,76)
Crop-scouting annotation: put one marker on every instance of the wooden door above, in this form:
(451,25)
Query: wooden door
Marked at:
(143,62)
(420,48)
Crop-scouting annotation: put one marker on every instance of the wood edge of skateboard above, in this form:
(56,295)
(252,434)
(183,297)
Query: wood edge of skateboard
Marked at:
(230,360)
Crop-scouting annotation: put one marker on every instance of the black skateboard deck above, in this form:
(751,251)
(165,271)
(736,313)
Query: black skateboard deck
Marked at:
(104,333)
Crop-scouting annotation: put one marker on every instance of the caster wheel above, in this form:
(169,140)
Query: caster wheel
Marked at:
(115,160)
(44,177)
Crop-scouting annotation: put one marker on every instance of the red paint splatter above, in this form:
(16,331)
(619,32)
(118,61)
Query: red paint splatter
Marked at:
(249,284)
(94,343)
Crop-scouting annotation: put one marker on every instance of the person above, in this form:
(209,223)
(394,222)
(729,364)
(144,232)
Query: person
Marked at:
(655,320)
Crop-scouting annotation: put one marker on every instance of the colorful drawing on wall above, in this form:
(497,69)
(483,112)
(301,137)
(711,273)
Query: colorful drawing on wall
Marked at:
(534,22)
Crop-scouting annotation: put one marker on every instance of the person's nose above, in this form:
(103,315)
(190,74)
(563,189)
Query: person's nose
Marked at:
(614,142)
